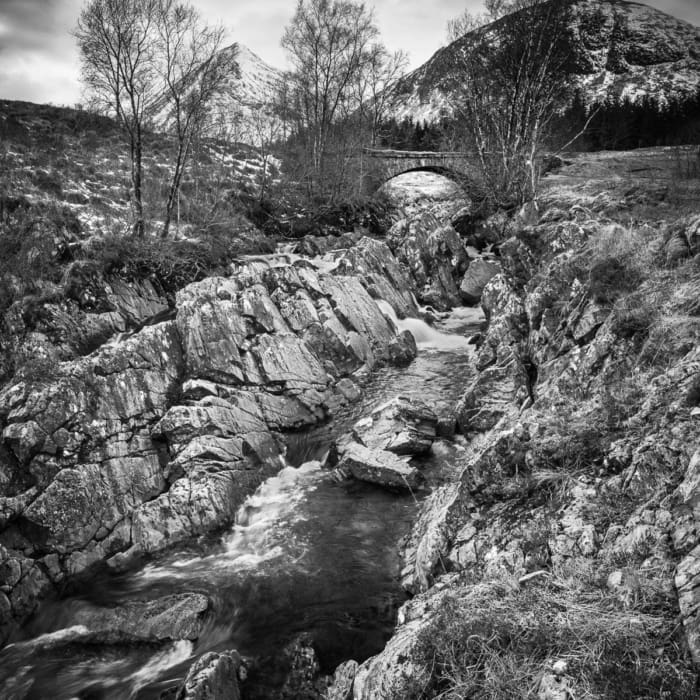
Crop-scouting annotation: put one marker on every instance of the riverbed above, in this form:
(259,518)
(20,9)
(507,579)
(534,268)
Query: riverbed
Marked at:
(308,553)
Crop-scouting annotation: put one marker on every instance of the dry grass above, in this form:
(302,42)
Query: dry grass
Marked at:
(495,640)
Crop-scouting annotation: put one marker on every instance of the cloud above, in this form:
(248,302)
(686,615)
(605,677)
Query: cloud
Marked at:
(39,60)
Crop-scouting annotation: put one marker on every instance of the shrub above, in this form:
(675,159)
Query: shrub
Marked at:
(173,263)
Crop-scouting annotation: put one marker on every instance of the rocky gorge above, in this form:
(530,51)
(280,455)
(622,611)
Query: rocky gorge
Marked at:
(529,482)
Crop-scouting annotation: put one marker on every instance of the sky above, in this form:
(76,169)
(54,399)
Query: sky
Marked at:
(39,61)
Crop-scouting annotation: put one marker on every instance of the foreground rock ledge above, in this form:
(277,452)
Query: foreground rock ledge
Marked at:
(161,435)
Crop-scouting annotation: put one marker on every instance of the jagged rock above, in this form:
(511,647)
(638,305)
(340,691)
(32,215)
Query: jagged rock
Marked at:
(495,392)
(214,676)
(160,434)
(303,680)
(180,616)
(688,586)
(503,383)
(477,276)
(403,349)
(400,668)
(486,468)
(378,467)
(380,273)
(403,425)
(341,687)
(434,256)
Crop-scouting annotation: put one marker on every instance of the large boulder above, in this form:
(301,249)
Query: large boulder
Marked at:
(403,425)
(378,467)
(478,275)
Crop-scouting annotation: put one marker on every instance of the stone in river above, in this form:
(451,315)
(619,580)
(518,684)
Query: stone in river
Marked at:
(477,276)
(379,467)
(404,426)
(214,676)
(180,616)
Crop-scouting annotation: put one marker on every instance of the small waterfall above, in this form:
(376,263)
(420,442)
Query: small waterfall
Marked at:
(425,336)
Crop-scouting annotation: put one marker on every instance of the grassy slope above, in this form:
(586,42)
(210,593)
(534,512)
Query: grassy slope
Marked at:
(591,490)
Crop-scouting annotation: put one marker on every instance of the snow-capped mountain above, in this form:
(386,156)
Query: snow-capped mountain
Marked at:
(243,108)
(258,80)
(244,105)
(617,48)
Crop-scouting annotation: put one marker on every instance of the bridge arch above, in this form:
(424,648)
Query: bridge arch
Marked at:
(382,165)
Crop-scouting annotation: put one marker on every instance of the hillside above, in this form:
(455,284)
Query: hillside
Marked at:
(618,49)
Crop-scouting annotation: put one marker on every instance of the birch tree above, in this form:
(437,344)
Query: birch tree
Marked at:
(143,60)
(328,44)
(118,64)
(193,69)
(514,80)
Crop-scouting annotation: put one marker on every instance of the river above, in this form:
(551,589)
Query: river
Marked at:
(308,553)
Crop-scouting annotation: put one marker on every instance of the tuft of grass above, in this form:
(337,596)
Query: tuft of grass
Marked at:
(495,640)
(619,260)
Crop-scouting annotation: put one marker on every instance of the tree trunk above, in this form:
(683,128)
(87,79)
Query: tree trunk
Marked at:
(137,176)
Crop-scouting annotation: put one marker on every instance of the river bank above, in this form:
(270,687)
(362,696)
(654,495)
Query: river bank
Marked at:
(558,526)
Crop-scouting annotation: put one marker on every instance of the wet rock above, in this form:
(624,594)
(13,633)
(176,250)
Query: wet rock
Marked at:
(477,276)
(380,273)
(214,676)
(180,616)
(342,684)
(379,467)
(404,426)
(162,433)
(303,681)
(688,586)
(403,349)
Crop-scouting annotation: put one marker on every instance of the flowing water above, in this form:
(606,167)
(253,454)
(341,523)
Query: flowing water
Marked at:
(307,554)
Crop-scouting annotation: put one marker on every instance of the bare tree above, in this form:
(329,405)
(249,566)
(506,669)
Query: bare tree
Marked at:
(515,79)
(118,67)
(381,70)
(193,69)
(328,44)
(469,21)
(268,127)
(142,59)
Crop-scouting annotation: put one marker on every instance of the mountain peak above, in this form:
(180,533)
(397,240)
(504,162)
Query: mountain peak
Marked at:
(618,49)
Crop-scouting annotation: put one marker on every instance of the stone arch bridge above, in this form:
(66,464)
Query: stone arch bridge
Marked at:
(380,165)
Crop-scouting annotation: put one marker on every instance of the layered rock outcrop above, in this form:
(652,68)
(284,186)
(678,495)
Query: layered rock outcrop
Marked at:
(434,256)
(577,490)
(160,435)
